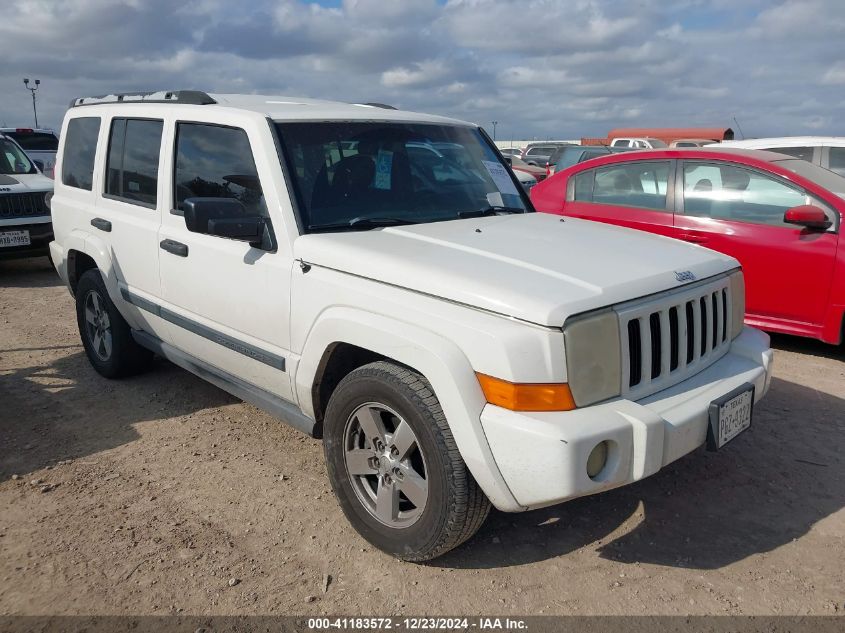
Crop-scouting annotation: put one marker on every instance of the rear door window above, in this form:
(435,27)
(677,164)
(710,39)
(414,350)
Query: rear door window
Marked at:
(727,192)
(80,149)
(641,184)
(132,163)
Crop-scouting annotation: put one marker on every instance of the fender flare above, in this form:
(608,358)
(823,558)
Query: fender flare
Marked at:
(442,363)
(93,246)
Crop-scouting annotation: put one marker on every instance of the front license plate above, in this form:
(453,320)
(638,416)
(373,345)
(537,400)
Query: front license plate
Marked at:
(14,238)
(730,416)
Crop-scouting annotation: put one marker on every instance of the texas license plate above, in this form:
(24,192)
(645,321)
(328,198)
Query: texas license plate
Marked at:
(14,238)
(730,416)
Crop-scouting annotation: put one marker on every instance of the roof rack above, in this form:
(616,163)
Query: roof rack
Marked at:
(383,106)
(190,97)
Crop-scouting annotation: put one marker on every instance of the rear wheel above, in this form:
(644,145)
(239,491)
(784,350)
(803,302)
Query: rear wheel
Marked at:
(106,336)
(394,465)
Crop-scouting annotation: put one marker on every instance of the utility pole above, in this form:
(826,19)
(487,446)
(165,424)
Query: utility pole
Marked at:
(32,90)
(495,123)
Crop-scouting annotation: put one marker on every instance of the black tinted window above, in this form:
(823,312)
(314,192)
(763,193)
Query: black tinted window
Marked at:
(216,162)
(132,166)
(837,160)
(804,153)
(36,141)
(80,150)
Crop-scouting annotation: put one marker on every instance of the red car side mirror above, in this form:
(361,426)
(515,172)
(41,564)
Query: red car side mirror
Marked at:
(808,215)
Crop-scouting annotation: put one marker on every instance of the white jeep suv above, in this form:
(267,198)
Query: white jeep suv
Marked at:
(452,348)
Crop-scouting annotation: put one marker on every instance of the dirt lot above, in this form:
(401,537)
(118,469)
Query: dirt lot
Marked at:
(150,495)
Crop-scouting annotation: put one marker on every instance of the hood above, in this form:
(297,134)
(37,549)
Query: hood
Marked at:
(535,267)
(19,183)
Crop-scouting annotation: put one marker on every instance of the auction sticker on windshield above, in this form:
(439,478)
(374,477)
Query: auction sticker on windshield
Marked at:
(730,416)
(14,238)
(501,177)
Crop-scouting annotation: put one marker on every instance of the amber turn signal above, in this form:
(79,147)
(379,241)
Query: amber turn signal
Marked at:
(526,396)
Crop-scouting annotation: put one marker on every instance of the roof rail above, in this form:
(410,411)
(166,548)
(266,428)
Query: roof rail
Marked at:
(383,106)
(191,97)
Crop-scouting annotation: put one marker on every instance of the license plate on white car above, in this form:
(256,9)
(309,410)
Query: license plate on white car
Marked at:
(730,415)
(14,238)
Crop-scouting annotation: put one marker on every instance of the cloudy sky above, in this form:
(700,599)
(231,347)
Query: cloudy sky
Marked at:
(541,68)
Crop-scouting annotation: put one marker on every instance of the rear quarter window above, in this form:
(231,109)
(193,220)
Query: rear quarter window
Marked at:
(80,149)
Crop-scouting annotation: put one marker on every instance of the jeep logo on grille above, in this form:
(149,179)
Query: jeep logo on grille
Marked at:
(684,275)
(5,189)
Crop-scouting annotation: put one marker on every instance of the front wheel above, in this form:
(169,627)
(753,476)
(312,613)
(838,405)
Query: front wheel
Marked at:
(394,465)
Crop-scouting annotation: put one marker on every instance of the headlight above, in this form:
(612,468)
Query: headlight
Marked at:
(593,358)
(737,302)
(48,197)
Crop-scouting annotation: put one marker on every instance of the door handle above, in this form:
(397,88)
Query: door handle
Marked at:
(100,223)
(694,238)
(172,246)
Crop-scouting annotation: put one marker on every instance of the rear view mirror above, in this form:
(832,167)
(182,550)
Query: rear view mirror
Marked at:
(807,215)
(224,217)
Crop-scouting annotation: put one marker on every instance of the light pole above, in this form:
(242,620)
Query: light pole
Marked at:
(495,123)
(32,90)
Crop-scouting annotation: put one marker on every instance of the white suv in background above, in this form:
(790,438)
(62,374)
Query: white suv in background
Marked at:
(825,151)
(638,143)
(40,144)
(452,348)
(25,225)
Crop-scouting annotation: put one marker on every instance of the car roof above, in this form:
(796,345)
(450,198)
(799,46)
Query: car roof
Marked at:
(787,141)
(276,107)
(748,156)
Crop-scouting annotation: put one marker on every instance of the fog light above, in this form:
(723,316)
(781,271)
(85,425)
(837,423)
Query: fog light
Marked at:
(597,459)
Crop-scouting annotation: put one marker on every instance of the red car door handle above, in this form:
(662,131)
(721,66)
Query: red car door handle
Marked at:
(694,238)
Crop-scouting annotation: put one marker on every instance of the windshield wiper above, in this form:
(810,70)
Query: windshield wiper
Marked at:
(491,210)
(362,223)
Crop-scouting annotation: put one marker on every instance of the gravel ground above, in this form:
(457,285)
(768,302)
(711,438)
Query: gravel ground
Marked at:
(162,494)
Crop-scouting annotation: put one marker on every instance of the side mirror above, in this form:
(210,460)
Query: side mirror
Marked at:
(807,215)
(223,217)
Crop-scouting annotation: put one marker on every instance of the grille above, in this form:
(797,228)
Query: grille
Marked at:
(22,205)
(668,338)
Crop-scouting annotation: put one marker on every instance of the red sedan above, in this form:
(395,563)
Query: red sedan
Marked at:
(778,215)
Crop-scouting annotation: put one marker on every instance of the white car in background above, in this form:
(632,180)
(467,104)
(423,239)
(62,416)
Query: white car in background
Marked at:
(825,151)
(40,144)
(638,143)
(25,224)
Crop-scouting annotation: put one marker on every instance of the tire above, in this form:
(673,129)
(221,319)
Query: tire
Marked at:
(105,335)
(431,502)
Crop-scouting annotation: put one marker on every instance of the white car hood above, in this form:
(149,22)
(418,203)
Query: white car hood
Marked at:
(535,267)
(18,183)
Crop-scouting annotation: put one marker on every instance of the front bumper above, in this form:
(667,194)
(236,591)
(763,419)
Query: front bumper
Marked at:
(543,456)
(40,236)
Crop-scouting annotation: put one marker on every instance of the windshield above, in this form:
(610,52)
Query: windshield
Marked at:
(13,160)
(357,175)
(831,181)
(656,142)
(36,141)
